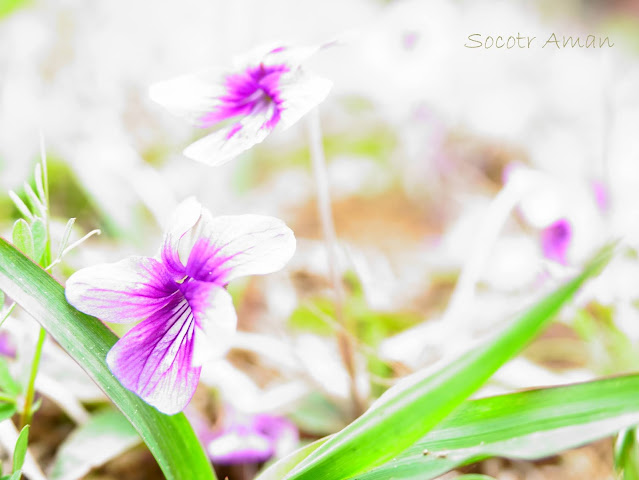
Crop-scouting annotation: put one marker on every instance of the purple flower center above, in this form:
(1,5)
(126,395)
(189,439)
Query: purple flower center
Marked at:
(250,92)
(555,240)
(205,264)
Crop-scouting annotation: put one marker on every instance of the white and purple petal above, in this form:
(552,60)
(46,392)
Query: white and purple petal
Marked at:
(233,246)
(252,440)
(155,358)
(129,290)
(300,93)
(227,143)
(215,319)
(182,221)
(190,96)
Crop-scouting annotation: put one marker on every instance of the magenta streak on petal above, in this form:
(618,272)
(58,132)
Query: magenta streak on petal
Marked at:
(236,128)
(146,292)
(206,264)
(198,295)
(555,240)
(171,258)
(155,358)
(250,92)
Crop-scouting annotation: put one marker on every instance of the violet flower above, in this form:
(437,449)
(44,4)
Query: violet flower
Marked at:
(252,439)
(187,315)
(7,347)
(555,240)
(264,90)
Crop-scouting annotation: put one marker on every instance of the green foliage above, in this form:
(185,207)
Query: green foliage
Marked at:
(6,411)
(9,6)
(20,451)
(87,340)
(39,234)
(399,418)
(626,455)
(22,238)
(475,476)
(526,425)
(9,388)
(278,470)
(317,415)
(317,317)
(613,352)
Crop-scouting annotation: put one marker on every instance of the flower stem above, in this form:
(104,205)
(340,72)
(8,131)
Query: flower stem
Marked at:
(344,340)
(27,413)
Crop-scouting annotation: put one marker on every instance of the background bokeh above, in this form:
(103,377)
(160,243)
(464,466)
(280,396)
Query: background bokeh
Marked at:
(447,164)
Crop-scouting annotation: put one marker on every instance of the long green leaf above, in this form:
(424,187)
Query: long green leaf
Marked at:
(410,411)
(22,238)
(279,469)
(627,455)
(20,450)
(6,410)
(170,438)
(527,425)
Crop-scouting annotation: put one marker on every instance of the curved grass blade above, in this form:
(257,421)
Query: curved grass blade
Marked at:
(6,410)
(627,455)
(170,438)
(527,425)
(280,468)
(408,411)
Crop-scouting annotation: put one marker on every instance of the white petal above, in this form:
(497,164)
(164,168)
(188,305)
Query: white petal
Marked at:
(190,96)
(131,289)
(217,323)
(224,145)
(301,92)
(250,244)
(276,54)
(183,219)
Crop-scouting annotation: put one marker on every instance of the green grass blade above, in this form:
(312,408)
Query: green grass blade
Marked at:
(22,238)
(20,451)
(527,425)
(279,469)
(627,455)
(170,438)
(6,410)
(475,476)
(408,412)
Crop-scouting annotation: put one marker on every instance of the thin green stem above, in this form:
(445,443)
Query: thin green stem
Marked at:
(345,341)
(8,314)
(27,414)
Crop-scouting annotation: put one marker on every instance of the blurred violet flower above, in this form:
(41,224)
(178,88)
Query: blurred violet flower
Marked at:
(7,347)
(601,194)
(266,89)
(555,240)
(187,315)
(249,439)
